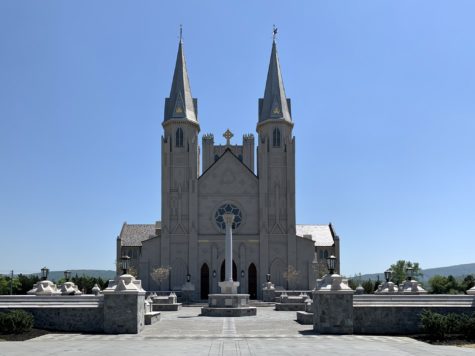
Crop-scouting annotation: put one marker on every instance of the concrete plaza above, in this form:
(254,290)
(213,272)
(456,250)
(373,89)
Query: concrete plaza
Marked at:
(186,333)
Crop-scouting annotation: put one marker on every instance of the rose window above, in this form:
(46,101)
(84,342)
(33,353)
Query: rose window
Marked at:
(231,209)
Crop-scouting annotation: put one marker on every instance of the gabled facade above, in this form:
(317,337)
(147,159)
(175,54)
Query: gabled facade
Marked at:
(189,240)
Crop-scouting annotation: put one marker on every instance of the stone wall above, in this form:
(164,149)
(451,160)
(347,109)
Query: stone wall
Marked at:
(62,313)
(400,314)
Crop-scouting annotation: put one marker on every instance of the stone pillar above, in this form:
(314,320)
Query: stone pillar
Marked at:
(387,288)
(228,243)
(332,306)
(268,292)
(228,286)
(124,306)
(411,286)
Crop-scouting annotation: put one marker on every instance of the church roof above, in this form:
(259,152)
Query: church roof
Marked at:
(135,234)
(274,105)
(321,234)
(180,104)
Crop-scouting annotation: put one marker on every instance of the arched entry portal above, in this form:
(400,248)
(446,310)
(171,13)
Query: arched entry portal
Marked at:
(252,281)
(223,271)
(204,281)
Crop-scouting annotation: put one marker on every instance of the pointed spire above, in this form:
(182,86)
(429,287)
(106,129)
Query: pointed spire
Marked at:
(274,105)
(181,104)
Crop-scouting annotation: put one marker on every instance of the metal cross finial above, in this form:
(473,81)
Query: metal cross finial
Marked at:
(274,32)
(227,135)
(181,32)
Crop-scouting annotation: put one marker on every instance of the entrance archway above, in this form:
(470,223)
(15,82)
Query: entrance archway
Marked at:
(204,281)
(252,281)
(223,271)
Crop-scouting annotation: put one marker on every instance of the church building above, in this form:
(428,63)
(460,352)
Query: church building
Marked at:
(257,185)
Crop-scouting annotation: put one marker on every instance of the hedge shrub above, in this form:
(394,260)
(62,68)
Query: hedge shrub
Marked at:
(438,326)
(15,322)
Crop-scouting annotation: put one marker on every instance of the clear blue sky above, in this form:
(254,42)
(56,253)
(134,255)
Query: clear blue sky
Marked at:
(382,99)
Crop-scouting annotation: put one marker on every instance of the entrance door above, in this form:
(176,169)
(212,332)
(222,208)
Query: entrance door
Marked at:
(223,271)
(204,281)
(252,281)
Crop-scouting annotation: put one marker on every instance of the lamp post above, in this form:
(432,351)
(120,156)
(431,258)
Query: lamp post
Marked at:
(388,274)
(268,277)
(125,263)
(214,273)
(67,275)
(188,277)
(410,273)
(44,273)
(331,262)
(11,282)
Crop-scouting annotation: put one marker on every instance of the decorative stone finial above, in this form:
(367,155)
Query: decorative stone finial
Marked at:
(125,283)
(96,290)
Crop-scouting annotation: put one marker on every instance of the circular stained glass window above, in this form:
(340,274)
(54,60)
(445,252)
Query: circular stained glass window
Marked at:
(228,208)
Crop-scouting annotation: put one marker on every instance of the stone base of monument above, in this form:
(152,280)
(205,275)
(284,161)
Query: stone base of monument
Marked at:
(166,307)
(152,318)
(230,305)
(305,318)
(290,306)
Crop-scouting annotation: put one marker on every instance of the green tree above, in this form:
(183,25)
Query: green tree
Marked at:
(399,271)
(438,284)
(5,285)
(448,285)
(368,286)
(86,283)
(468,282)
(27,282)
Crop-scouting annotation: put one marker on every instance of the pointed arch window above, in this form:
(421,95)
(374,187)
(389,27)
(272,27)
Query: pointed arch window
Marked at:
(276,137)
(179,137)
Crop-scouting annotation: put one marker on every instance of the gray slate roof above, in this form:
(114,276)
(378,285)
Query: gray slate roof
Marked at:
(321,234)
(274,104)
(181,104)
(134,234)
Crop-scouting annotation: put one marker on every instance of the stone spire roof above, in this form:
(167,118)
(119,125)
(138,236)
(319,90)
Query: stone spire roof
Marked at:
(181,104)
(274,105)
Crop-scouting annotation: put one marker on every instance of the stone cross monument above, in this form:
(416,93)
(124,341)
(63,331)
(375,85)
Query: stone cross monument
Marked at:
(228,286)
(229,303)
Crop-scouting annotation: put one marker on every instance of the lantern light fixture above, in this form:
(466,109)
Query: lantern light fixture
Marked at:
(388,274)
(331,263)
(44,273)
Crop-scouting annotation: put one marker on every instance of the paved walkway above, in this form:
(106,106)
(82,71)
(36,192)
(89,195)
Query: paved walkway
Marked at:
(186,333)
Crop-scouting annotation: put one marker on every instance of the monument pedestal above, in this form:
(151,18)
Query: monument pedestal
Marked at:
(229,302)
(333,306)
(231,305)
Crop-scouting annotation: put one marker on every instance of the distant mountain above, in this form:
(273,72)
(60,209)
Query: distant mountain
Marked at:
(456,271)
(104,274)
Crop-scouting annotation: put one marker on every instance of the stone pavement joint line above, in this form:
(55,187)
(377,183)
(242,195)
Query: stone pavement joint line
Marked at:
(229,328)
